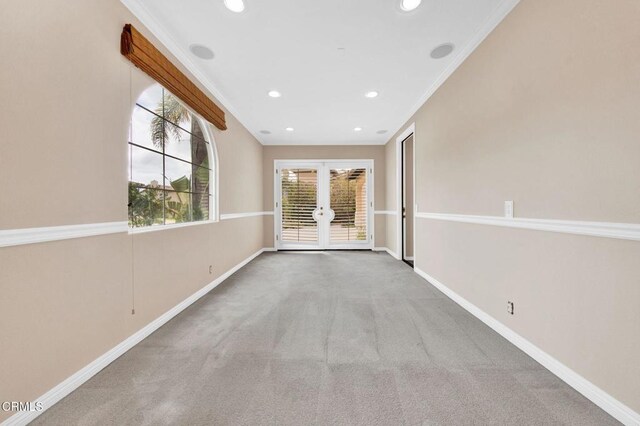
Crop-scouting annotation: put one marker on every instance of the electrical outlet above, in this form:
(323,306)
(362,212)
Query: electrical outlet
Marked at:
(510,307)
(211,269)
(508,209)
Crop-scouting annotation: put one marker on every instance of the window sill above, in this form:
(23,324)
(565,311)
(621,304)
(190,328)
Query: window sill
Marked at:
(143,230)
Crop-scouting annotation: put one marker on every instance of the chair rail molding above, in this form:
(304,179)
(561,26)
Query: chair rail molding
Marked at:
(16,237)
(461,55)
(623,231)
(229,216)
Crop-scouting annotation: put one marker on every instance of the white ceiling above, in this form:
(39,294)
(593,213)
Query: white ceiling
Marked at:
(293,46)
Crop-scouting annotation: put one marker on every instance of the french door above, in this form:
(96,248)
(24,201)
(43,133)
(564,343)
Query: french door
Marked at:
(323,204)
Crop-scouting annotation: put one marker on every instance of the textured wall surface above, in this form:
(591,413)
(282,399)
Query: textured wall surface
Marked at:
(545,113)
(63,161)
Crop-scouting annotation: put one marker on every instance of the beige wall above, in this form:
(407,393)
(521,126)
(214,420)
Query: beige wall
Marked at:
(63,161)
(326,152)
(545,113)
(391,200)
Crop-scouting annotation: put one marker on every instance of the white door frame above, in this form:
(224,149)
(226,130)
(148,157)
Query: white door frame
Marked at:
(323,196)
(277,211)
(410,130)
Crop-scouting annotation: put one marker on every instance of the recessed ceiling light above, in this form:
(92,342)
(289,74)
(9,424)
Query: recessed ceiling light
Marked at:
(409,5)
(357,129)
(265,132)
(274,94)
(289,129)
(202,52)
(371,94)
(234,5)
(381,132)
(442,51)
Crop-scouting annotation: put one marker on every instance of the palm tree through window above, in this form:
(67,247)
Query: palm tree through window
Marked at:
(169,165)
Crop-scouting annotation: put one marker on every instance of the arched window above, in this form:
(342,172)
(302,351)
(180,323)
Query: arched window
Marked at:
(171,163)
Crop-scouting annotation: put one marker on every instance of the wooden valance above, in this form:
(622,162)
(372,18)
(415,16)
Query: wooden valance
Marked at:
(135,47)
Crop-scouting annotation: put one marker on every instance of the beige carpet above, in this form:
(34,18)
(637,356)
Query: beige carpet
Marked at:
(344,338)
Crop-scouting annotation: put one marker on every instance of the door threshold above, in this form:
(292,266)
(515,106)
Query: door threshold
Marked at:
(408,262)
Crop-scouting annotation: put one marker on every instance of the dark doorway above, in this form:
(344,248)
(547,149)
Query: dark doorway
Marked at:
(408,213)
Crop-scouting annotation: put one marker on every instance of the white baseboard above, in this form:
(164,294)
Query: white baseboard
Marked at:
(77,379)
(598,396)
(392,253)
(409,258)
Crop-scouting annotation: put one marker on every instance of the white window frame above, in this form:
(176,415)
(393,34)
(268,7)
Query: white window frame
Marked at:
(212,152)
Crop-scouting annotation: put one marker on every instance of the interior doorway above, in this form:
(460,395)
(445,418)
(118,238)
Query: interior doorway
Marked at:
(405,195)
(323,204)
(408,210)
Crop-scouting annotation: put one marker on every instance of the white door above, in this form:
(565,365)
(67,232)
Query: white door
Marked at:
(323,204)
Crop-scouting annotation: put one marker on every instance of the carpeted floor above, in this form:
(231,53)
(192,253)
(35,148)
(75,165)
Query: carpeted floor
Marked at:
(325,338)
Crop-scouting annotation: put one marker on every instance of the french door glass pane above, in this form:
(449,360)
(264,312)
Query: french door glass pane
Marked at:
(299,200)
(349,203)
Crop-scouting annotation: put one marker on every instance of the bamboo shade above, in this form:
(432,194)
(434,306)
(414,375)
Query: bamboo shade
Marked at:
(135,47)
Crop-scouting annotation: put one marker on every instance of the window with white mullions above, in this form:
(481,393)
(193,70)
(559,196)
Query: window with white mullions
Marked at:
(170,163)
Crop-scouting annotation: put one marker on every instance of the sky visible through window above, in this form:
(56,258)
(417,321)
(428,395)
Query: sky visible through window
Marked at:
(148,165)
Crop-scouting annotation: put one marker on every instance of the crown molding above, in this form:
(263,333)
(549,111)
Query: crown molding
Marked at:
(137,8)
(490,24)
(144,16)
